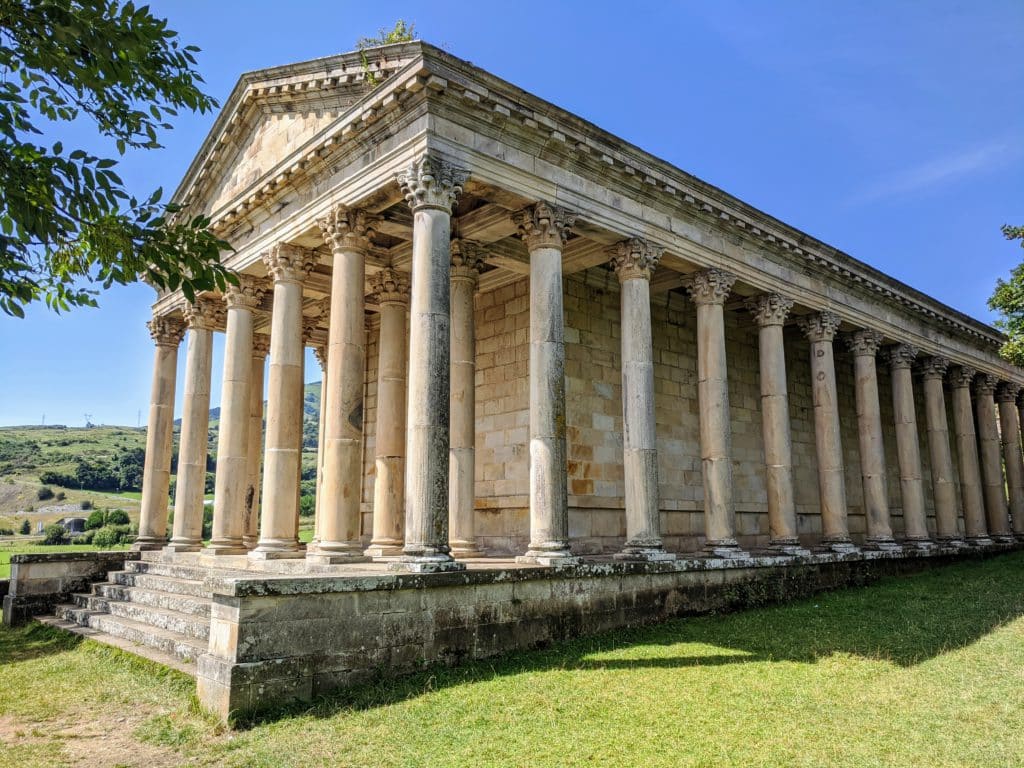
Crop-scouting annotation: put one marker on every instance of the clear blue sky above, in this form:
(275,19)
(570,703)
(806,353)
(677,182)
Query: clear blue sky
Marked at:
(892,129)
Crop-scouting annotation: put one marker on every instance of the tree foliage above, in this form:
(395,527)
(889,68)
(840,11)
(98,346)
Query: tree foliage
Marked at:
(1008,301)
(402,32)
(67,223)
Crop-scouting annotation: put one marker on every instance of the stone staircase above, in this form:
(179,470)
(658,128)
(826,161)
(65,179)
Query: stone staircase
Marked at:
(157,610)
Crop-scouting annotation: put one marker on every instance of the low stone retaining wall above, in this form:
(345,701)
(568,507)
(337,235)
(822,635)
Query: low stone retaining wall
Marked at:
(285,638)
(39,581)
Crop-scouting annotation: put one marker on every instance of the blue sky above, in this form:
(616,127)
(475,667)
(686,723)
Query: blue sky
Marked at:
(892,130)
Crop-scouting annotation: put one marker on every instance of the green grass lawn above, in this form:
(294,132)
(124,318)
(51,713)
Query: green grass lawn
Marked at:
(8,548)
(920,671)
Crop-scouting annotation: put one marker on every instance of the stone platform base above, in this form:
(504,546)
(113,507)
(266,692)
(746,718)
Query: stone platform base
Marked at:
(289,636)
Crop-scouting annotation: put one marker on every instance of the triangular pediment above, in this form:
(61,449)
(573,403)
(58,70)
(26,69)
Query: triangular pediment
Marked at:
(273,112)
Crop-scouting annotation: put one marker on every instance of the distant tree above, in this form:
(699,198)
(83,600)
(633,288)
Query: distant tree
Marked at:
(86,505)
(1008,301)
(118,517)
(96,519)
(128,467)
(26,528)
(66,219)
(54,534)
(44,493)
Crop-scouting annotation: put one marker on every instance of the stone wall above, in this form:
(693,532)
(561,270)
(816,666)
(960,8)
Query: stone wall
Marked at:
(594,422)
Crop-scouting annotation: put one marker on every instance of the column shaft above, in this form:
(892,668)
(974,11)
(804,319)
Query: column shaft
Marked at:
(156,478)
(943,473)
(634,260)
(282,463)
(821,329)
(864,345)
(462,462)
(770,312)
(908,449)
(967,449)
(1009,422)
(258,364)
(991,457)
(195,424)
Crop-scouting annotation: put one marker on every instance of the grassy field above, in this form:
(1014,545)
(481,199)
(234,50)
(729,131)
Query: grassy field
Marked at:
(923,671)
(8,548)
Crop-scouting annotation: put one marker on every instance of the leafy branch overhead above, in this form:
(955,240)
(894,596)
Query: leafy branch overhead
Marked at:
(67,223)
(400,33)
(1008,300)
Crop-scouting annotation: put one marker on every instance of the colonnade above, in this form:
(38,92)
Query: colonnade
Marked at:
(423,497)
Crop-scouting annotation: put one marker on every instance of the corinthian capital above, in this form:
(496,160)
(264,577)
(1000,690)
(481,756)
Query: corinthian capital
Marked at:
(205,314)
(544,226)
(986,384)
(902,356)
(321,357)
(467,260)
(260,345)
(289,263)
(934,367)
(865,342)
(821,326)
(709,286)
(248,294)
(389,286)
(166,331)
(431,183)
(634,258)
(1007,392)
(961,376)
(347,228)
(769,309)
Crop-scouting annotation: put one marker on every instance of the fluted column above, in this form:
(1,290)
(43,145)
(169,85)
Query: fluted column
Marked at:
(258,364)
(908,448)
(391,290)
(167,333)
(201,318)
(1009,422)
(933,371)
(770,312)
(960,379)
(864,345)
(634,260)
(709,289)
(289,265)
(820,330)
(431,188)
(465,274)
(347,233)
(233,436)
(545,228)
(991,457)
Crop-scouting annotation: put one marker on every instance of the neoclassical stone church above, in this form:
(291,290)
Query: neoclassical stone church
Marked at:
(602,384)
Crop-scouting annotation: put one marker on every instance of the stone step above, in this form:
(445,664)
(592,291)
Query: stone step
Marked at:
(180,646)
(175,601)
(186,624)
(171,584)
(174,570)
(75,613)
(146,652)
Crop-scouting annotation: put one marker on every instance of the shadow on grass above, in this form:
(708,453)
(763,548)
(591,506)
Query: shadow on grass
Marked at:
(903,620)
(33,641)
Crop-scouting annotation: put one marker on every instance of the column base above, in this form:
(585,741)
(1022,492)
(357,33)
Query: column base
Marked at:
(921,545)
(434,563)
(277,549)
(549,555)
(250,542)
(464,548)
(1004,538)
(183,546)
(148,544)
(728,549)
(220,551)
(788,549)
(979,541)
(334,554)
(882,545)
(384,550)
(644,554)
(957,543)
(841,546)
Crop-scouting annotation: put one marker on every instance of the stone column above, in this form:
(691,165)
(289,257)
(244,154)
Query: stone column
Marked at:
(908,448)
(289,265)
(634,260)
(167,333)
(545,228)
(465,274)
(709,289)
(201,319)
(321,358)
(864,345)
(933,370)
(991,457)
(770,312)
(820,330)
(960,379)
(391,289)
(233,438)
(260,349)
(1009,422)
(347,233)
(431,188)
